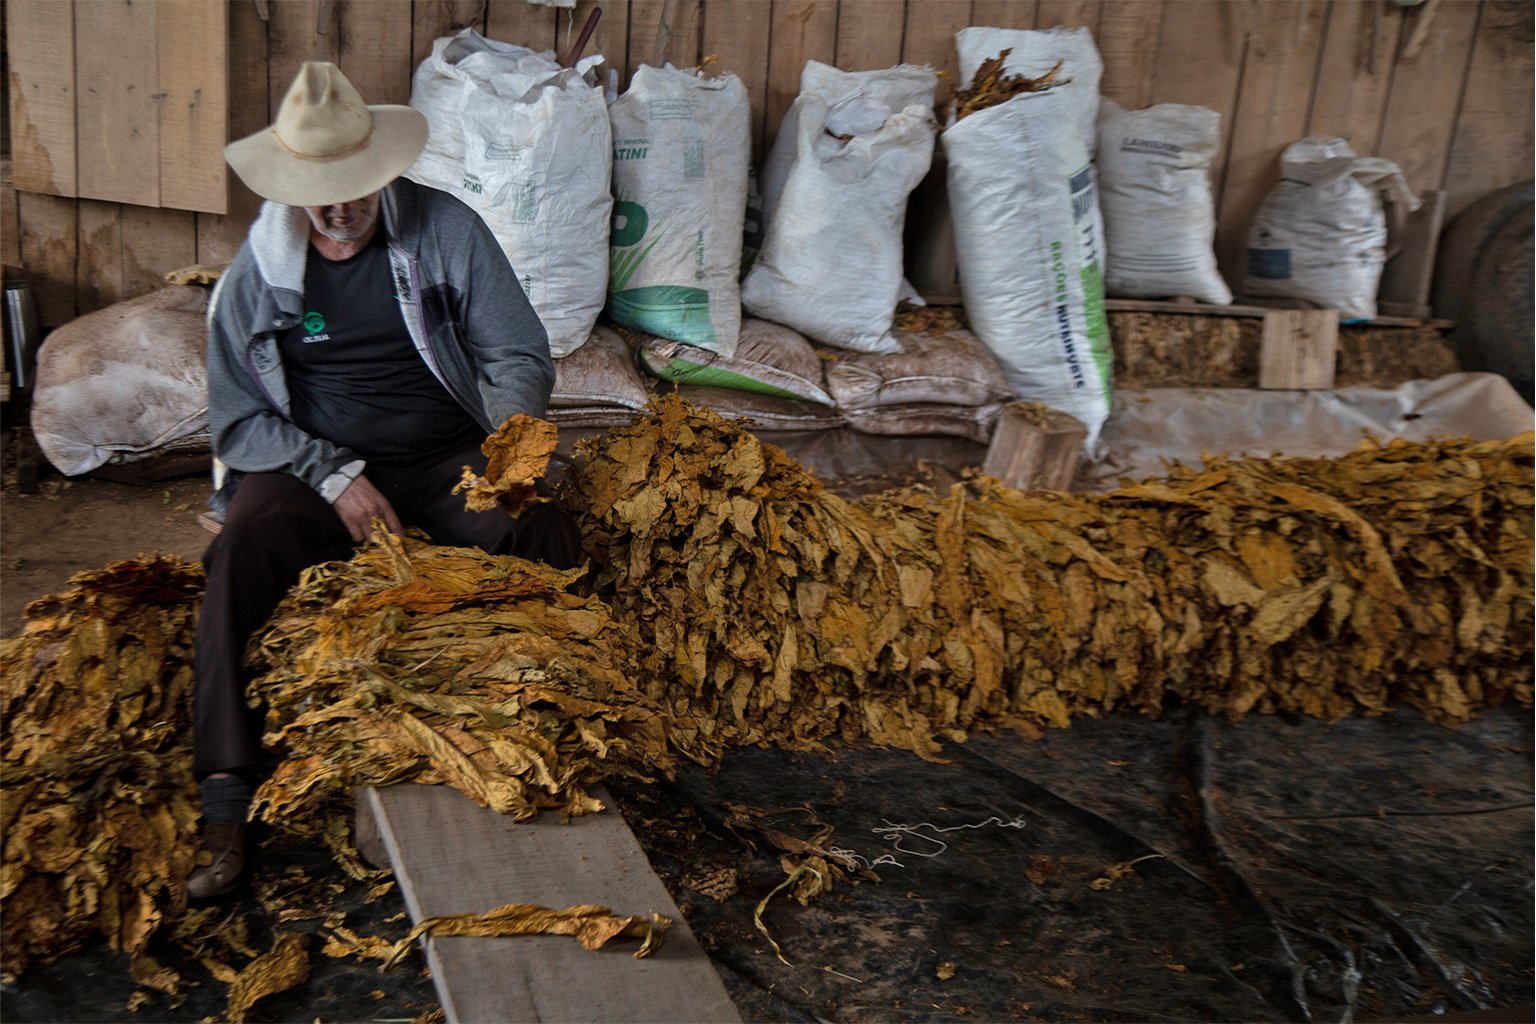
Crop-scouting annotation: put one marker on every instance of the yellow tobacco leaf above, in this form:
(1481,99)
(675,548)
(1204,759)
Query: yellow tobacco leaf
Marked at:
(281,968)
(591,925)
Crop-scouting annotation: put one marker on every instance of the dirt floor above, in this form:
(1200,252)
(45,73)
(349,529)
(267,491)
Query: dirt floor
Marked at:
(69,525)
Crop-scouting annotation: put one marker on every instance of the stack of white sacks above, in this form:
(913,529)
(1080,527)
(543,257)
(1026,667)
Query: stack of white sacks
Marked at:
(636,205)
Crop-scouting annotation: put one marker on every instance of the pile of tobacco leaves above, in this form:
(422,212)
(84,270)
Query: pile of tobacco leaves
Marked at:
(730,599)
(990,86)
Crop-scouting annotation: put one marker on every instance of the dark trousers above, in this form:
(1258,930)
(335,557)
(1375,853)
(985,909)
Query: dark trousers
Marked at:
(277,526)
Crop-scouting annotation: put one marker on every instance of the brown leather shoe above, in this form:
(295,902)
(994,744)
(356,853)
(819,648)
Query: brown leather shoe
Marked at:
(225,843)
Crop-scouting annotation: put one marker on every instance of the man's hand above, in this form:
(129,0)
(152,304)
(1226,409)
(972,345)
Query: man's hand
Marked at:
(359,503)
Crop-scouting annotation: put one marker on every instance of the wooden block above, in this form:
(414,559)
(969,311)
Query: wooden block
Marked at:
(1406,279)
(1299,349)
(451,856)
(1034,448)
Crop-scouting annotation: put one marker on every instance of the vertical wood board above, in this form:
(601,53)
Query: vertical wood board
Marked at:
(219,237)
(49,251)
(193,44)
(664,32)
(517,21)
(154,243)
(10,219)
(1127,39)
(99,269)
(610,38)
(117,113)
(1425,92)
(1353,73)
(1005,13)
(1271,112)
(1199,61)
(869,34)
(1298,350)
(431,19)
(1492,142)
(801,30)
(374,48)
(291,41)
(930,39)
(736,31)
(1069,14)
(40,58)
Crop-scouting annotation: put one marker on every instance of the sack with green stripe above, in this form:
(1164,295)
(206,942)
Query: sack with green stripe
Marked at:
(681,150)
(770,359)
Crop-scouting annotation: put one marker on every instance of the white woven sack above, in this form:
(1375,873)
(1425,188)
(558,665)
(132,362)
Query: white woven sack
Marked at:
(458,61)
(890,89)
(831,263)
(537,167)
(124,382)
(1022,193)
(1155,192)
(681,149)
(1320,234)
(1033,53)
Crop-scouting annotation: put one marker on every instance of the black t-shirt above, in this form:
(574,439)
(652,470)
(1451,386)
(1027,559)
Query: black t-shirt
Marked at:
(354,377)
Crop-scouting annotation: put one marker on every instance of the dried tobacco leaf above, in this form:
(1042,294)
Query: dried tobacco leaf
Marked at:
(518,454)
(591,925)
(990,86)
(96,766)
(284,966)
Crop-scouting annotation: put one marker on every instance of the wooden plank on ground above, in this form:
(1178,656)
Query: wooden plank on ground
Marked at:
(219,237)
(375,49)
(518,21)
(802,30)
(869,34)
(1034,448)
(1127,39)
(1492,144)
(40,54)
(1426,87)
(117,117)
(1271,113)
(1299,349)
(1354,73)
(193,46)
(49,245)
(155,242)
(99,268)
(451,856)
(736,31)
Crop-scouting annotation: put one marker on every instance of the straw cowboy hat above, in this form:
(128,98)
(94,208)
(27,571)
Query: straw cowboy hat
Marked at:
(328,146)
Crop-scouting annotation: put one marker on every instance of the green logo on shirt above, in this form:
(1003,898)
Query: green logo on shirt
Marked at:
(314,323)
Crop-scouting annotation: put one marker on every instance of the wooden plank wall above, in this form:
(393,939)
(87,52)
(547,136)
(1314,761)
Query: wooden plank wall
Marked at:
(1443,88)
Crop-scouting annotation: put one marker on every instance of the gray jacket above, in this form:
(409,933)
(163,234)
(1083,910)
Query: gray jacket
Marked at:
(463,306)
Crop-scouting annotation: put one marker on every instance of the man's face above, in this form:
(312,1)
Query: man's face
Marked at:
(345,222)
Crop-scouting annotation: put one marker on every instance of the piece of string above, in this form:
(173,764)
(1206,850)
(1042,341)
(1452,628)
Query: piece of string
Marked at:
(897,835)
